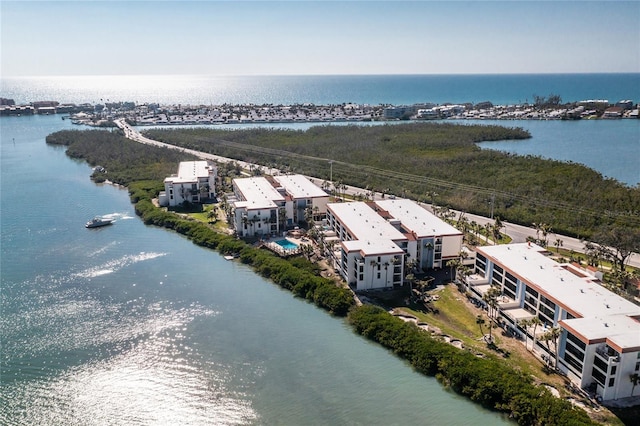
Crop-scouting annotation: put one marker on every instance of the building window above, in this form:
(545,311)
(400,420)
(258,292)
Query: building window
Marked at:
(509,293)
(510,286)
(600,364)
(598,376)
(611,381)
(573,363)
(378,275)
(569,348)
(579,343)
(613,370)
(361,277)
(532,292)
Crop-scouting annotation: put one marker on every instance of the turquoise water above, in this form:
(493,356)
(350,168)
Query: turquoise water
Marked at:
(611,147)
(331,89)
(286,244)
(131,324)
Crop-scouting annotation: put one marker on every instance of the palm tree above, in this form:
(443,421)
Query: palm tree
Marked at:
(373,264)
(245,221)
(464,272)
(308,217)
(491,298)
(535,321)
(487,232)
(555,333)
(634,379)
(480,321)
(282,217)
(546,229)
(537,228)
(453,265)
(496,228)
(213,213)
(525,324)
(410,278)
(546,337)
(429,247)
(558,243)
(463,225)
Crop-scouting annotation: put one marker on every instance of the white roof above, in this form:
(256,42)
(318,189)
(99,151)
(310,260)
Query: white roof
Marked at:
(258,193)
(190,171)
(620,331)
(364,223)
(299,187)
(373,247)
(581,295)
(417,219)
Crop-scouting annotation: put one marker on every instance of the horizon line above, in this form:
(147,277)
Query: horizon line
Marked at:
(321,75)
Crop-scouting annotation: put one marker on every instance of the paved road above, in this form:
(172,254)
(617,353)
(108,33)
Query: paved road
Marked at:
(518,233)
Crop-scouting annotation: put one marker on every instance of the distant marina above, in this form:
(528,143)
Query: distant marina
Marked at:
(132,293)
(153,114)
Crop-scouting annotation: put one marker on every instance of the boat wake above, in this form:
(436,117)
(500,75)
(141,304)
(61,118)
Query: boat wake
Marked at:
(103,249)
(116,264)
(117,216)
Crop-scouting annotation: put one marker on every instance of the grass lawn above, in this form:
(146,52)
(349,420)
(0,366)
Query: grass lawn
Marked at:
(456,317)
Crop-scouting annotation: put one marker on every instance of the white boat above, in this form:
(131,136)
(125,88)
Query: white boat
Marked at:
(97,222)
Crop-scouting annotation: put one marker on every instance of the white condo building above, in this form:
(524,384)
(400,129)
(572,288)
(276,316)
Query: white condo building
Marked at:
(194,183)
(377,239)
(304,194)
(267,205)
(599,344)
(258,209)
(436,240)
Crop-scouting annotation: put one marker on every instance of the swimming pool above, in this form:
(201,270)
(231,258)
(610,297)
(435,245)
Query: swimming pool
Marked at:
(286,244)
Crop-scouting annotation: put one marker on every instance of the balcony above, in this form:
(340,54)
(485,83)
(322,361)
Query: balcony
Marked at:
(476,279)
(608,354)
(505,302)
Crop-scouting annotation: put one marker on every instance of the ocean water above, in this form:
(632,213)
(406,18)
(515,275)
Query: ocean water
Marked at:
(130,324)
(323,90)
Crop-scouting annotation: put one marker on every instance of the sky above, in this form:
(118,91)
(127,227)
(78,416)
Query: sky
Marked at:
(314,38)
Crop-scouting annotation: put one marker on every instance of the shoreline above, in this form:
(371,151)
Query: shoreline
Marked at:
(153,114)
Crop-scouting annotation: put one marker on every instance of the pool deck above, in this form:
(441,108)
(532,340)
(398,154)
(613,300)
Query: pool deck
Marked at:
(281,251)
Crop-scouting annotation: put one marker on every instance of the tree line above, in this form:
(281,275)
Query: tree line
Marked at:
(418,159)
(486,381)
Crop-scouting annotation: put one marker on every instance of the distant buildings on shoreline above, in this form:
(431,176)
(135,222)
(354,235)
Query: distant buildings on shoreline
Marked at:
(155,114)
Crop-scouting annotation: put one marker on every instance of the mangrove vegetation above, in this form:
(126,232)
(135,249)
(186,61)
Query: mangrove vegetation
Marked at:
(433,162)
(487,381)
